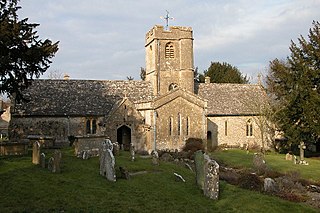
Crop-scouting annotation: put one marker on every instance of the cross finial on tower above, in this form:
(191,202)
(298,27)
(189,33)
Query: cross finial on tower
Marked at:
(167,18)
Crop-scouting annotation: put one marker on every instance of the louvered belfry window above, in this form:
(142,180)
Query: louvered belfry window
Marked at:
(169,50)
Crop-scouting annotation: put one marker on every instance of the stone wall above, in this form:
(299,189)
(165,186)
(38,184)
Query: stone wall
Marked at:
(235,132)
(57,127)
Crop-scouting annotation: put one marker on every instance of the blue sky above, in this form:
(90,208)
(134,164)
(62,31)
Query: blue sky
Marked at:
(102,39)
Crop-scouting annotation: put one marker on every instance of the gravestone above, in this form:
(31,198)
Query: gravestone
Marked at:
(259,163)
(132,152)
(109,144)
(43,160)
(270,185)
(155,157)
(116,149)
(199,163)
(36,153)
(211,178)
(50,164)
(124,173)
(107,162)
(85,155)
(289,157)
(302,147)
(56,161)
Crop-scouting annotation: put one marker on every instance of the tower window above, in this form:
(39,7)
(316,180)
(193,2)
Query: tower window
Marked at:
(169,52)
(172,86)
(249,129)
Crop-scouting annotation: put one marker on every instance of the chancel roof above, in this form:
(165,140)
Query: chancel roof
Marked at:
(232,99)
(80,97)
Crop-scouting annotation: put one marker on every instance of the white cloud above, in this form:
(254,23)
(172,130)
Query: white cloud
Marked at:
(105,39)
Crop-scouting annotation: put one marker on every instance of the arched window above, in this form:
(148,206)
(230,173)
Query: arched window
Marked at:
(170,125)
(226,128)
(249,129)
(172,86)
(91,126)
(88,126)
(187,125)
(169,52)
(179,124)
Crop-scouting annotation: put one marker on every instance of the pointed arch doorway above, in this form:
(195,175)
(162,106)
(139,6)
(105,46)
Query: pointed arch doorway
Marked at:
(124,136)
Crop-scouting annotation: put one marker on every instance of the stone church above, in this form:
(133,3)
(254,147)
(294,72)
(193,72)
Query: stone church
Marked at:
(160,112)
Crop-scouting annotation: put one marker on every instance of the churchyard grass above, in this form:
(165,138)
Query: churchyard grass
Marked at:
(240,159)
(79,188)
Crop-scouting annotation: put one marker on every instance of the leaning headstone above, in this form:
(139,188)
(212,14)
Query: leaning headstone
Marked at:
(36,153)
(132,152)
(116,149)
(199,163)
(289,157)
(270,185)
(43,160)
(107,162)
(56,161)
(211,178)
(155,157)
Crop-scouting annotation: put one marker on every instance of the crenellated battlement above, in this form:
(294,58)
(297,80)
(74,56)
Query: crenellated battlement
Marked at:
(174,33)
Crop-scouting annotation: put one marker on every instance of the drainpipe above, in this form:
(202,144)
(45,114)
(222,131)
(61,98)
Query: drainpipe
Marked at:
(155,130)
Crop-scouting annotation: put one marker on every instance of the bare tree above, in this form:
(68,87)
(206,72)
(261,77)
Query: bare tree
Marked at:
(55,74)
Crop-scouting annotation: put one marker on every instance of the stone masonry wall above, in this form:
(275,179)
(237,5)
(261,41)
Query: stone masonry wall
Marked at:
(235,135)
(193,112)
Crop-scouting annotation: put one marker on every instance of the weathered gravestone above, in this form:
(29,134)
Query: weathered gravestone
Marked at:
(116,149)
(270,185)
(289,157)
(36,153)
(124,173)
(259,163)
(107,161)
(50,164)
(56,161)
(155,157)
(85,155)
(199,163)
(302,147)
(132,152)
(43,160)
(211,178)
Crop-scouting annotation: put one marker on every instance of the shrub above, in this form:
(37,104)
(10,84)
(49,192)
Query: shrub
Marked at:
(193,144)
(250,181)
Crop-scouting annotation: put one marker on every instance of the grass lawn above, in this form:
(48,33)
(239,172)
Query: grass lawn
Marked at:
(79,188)
(239,158)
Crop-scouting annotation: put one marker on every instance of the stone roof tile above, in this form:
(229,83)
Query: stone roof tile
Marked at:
(81,97)
(231,99)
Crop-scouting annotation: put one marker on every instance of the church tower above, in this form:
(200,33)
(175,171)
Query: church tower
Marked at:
(169,59)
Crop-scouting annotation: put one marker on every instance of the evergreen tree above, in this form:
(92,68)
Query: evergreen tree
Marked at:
(294,84)
(23,55)
(223,73)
